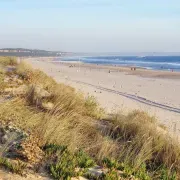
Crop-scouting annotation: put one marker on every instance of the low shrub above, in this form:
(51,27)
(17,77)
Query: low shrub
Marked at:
(64,167)
(83,160)
(64,164)
(5,61)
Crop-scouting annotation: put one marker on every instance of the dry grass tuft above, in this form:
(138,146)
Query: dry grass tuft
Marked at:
(2,76)
(24,70)
(92,108)
(68,128)
(64,98)
(143,141)
(2,70)
(8,61)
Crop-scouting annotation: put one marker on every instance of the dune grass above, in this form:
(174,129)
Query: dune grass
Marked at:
(64,98)
(134,143)
(2,71)
(144,142)
(5,61)
(8,61)
(2,76)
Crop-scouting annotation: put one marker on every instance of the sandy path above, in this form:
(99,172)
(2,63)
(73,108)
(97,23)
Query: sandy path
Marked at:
(119,91)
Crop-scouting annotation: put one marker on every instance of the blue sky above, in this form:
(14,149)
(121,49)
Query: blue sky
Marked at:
(91,25)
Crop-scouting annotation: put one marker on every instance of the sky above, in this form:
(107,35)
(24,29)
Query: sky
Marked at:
(91,25)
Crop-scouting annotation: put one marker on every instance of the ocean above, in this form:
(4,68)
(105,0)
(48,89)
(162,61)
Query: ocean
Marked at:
(167,63)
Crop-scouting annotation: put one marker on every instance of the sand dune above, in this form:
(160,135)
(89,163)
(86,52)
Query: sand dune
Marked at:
(116,88)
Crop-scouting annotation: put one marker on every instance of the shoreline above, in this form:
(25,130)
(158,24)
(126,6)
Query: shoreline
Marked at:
(162,63)
(143,72)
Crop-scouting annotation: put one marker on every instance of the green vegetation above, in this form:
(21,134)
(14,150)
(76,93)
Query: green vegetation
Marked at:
(16,167)
(83,160)
(127,146)
(64,164)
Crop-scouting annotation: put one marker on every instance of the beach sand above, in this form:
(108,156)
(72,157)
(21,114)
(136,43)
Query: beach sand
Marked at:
(121,89)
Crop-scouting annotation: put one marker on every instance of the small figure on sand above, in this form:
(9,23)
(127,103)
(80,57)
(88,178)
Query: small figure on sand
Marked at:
(133,68)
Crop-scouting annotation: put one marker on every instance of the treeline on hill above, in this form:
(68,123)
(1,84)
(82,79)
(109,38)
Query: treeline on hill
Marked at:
(58,129)
(21,52)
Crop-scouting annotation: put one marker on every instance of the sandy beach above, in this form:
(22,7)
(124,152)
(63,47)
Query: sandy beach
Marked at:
(121,89)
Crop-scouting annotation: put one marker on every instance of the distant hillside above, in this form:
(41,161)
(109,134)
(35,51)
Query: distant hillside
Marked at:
(29,52)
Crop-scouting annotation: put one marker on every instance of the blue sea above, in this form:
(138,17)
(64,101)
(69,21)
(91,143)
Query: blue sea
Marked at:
(149,62)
